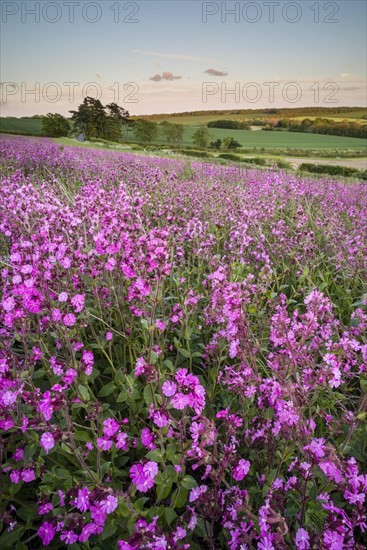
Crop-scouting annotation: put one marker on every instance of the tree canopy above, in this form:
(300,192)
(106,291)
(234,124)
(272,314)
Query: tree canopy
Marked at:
(172,132)
(98,121)
(55,125)
(145,130)
(201,137)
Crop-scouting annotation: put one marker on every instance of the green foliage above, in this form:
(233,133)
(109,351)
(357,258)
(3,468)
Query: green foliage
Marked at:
(231,143)
(145,130)
(230,124)
(201,137)
(259,161)
(318,125)
(97,121)
(216,144)
(230,156)
(194,153)
(332,170)
(55,125)
(283,164)
(173,133)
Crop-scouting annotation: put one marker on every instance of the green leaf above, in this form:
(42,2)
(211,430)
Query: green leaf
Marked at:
(188,482)
(28,511)
(291,511)
(105,467)
(159,479)
(313,492)
(165,489)
(139,504)
(144,324)
(9,538)
(119,376)
(171,451)
(109,530)
(171,474)
(184,353)
(84,392)
(62,473)
(188,333)
(170,515)
(39,374)
(181,497)
(81,436)
(168,363)
(124,509)
(107,390)
(148,398)
(29,451)
(123,395)
(154,455)
(153,357)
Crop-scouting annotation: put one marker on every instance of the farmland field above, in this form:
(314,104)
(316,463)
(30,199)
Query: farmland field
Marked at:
(24,126)
(281,140)
(247,138)
(184,356)
(274,140)
(193,119)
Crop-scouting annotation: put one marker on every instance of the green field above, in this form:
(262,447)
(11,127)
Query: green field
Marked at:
(337,118)
(274,140)
(247,138)
(352,116)
(30,126)
(204,119)
(293,140)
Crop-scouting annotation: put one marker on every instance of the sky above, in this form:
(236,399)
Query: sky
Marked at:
(157,56)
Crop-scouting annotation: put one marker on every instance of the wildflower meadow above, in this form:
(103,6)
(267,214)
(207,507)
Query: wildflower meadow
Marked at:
(183,358)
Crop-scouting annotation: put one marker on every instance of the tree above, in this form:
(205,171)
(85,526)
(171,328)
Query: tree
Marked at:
(145,130)
(84,118)
(230,143)
(172,132)
(55,125)
(95,120)
(201,137)
(217,144)
(117,119)
(231,124)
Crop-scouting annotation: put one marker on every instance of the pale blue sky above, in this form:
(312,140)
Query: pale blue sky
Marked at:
(170,39)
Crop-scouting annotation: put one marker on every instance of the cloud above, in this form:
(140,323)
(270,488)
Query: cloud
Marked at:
(167,75)
(177,57)
(214,72)
(344,75)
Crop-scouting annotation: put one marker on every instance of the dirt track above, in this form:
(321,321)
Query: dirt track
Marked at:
(360,163)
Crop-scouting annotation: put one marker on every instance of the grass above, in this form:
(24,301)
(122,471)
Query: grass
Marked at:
(189,120)
(350,117)
(90,145)
(274,140)
(247,138)
(30,126)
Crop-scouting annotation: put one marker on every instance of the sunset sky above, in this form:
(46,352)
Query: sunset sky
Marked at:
(168,56)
